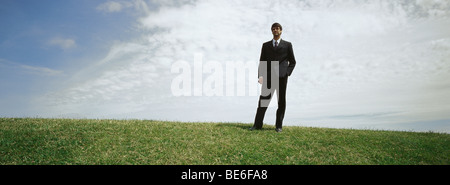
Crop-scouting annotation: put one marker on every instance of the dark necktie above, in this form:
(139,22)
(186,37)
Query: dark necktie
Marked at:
(276,43)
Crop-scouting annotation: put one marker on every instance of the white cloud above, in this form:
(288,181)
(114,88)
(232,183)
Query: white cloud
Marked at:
(110,6)
(114,6)
(63,43)
(41,70)
(27,69)
(359,62)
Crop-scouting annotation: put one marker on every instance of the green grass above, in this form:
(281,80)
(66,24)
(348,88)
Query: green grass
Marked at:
(83,141)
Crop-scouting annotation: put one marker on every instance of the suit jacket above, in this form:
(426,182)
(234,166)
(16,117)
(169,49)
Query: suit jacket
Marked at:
(283,54)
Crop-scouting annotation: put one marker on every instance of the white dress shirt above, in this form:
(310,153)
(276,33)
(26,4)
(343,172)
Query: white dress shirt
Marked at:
(273,42)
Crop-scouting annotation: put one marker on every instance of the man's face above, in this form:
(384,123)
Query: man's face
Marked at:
(276,31)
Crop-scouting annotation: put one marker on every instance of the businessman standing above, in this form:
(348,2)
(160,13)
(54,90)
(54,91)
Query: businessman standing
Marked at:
(276,64)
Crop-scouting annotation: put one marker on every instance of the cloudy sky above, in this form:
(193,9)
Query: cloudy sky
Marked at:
(360,64)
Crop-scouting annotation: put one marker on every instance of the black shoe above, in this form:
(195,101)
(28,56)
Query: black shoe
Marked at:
(278,130)
(254,128)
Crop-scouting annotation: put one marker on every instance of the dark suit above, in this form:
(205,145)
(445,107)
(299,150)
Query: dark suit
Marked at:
(276,65)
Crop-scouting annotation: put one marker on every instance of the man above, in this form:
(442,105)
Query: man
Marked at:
(276,64)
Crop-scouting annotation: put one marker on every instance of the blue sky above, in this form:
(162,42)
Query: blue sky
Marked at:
(29,26)
(54,37)
(361,64)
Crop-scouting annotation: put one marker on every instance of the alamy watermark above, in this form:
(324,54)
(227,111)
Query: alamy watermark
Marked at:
(230,78)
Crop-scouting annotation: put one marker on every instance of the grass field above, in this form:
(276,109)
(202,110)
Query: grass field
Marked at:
(83,141)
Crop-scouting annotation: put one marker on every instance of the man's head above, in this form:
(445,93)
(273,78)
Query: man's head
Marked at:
(276,29)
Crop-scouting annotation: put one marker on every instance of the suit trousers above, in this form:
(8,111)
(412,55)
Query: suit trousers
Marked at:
(264,101)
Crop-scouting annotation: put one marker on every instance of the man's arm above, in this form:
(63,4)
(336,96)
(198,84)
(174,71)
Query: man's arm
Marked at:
(260,66)
(291,59)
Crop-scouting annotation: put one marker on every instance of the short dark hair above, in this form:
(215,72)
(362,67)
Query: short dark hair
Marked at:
(276,25)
